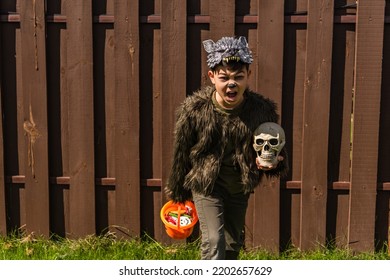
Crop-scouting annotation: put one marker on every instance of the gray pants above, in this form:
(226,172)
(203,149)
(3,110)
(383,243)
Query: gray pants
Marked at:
(222,219)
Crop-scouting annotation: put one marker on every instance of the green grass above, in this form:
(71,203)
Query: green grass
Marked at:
(108,247)
(320,253)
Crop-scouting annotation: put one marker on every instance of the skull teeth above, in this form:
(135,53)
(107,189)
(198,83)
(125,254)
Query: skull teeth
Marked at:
(267,156)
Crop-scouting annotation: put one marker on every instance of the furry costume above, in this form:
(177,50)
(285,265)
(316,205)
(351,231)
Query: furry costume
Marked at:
(201,135)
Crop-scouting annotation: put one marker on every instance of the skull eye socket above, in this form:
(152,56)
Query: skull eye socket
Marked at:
(259,141)
(274,142)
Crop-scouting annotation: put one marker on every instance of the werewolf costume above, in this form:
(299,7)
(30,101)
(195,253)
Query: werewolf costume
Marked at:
(202,132)
(214,162)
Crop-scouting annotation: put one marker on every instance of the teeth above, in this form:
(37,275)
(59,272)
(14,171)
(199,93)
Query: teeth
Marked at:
(230,58)
(267,156)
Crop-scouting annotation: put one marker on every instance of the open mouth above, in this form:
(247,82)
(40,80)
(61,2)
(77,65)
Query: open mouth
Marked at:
(231,94)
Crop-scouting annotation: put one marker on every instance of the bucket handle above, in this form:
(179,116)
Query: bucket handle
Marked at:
(179,212)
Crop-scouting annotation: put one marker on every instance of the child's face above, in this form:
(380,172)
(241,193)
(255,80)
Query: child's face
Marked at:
(230,85)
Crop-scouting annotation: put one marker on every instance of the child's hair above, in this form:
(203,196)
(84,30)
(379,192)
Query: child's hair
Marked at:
(233,65)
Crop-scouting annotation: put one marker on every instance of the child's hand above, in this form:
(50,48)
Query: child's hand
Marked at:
(270,167)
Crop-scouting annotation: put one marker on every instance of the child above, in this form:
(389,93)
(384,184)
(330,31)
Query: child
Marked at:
(214,162)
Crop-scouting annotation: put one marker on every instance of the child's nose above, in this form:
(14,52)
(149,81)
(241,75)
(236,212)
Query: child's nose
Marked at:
(232,85)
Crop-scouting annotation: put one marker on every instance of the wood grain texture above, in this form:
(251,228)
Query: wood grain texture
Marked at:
(316,123)
(269,83)
(80,113)
(127,190)
(366,110)
(32,27)
(173,78)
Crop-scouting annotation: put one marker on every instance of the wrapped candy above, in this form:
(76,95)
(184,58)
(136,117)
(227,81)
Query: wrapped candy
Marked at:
(185,218)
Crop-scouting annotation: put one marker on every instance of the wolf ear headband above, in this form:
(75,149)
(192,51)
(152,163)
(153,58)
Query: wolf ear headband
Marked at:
(227,49)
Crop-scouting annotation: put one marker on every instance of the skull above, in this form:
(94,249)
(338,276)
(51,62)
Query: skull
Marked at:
(269,139)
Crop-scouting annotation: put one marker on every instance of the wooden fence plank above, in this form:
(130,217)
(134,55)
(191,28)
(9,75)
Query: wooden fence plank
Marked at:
(81,137)
(341,102)
(65,98)
(293,96)
(127,190)
(315,130)
(340,133)
(368,69)
(109,94)
(383,197)
(33,32)
(173,75)
(57,118)
(158,124)
(110,146)
(19,166)
(269,79)
(3,221)
(64,155)
(64,101)
(222,19)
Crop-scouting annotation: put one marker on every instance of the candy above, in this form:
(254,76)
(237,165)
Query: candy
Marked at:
(185,218)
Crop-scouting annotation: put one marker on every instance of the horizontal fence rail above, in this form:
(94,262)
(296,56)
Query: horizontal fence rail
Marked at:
(296,185)
(200,19)
(290,17)
(88,99)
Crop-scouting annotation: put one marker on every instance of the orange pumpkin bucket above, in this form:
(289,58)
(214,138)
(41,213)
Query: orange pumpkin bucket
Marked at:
(179,219)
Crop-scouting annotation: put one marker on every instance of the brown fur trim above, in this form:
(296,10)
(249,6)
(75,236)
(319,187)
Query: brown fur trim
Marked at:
(200,139)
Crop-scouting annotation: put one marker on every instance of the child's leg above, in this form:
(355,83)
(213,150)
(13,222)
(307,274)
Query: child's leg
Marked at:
(235,211)
(211,222)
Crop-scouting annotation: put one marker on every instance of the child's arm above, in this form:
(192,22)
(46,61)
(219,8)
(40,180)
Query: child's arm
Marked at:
(181,165)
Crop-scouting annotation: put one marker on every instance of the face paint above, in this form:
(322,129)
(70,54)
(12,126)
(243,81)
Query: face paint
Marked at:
(232,85)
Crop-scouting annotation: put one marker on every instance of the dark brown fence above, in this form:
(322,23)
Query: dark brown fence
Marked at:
(89,90)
